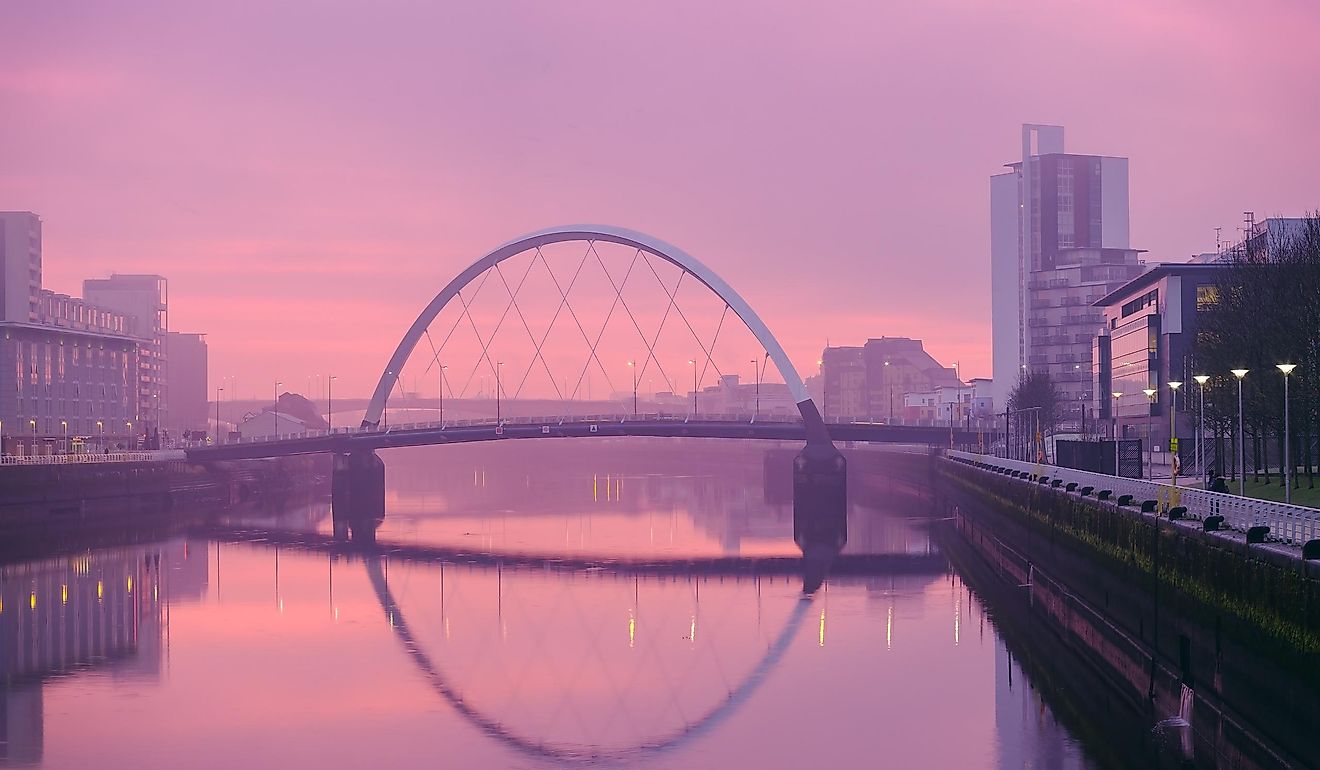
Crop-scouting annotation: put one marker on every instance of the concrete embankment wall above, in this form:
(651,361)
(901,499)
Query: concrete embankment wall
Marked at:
(45,505)
(1158,604)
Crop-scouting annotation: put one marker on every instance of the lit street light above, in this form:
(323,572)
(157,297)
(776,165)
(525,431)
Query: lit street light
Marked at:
(1117,395)
(218,393)
(1201,380)
(276,414)
(498,367)
(330,402)
(632,367)
(1150,432)
(1173,431)
(693,361)
(1287,465)
(1242,452)
(65,425)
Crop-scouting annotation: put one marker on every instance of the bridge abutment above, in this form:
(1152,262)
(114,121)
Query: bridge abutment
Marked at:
(820,509)
(358,495)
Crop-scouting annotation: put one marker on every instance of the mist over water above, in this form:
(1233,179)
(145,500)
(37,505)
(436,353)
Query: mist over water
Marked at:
(237,652)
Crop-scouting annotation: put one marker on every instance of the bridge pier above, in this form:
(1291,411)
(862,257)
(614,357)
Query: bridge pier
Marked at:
(357,495)
(820,510)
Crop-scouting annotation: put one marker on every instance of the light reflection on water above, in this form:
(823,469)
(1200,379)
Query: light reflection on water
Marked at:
(242,654)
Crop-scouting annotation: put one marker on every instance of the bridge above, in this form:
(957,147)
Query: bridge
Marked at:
(535,357)
(372,438)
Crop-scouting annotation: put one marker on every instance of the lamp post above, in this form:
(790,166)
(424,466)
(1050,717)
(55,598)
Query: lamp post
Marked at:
(756,375)
(632,367)
(498,366)
(1201,380)
(276,414)
(218,393)
(33,423)
(1117,395)
(693,361)
(65,425)
(385,411)
(1173,432)
(100,429)
(1150,432)
(1242,452)
(443,367)
(128,425)
(1287,465)
(330,402)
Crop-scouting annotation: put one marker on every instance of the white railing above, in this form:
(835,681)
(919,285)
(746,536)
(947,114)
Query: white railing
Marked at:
(81,458)
(1292,524)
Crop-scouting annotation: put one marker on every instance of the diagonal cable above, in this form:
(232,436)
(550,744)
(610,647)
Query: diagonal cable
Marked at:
(650,348)
(485,345)
(674,301)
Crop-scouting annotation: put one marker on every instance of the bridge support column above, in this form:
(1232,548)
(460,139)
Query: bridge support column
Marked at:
(357,495)
(820,509)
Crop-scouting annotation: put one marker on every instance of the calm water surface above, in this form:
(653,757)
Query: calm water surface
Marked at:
(220,654)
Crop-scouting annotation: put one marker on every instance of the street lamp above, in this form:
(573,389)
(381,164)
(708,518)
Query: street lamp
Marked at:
(1287,465)
(330,402)
(693,361)
(1117,395)
(100,428)
(1173,430)
(65,425)
(632,367)
(33,423)
(128,425)
(1201,380)
(759,369)
(218,393)
(443,367)
(276,424)
(498,366)
(1150,432)
(1242,451)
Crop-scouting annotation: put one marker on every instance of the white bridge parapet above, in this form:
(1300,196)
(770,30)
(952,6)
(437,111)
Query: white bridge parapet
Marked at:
(84,458)
(1290,524)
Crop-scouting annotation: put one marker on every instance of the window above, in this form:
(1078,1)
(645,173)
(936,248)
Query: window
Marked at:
(1146,300)
(1207,296)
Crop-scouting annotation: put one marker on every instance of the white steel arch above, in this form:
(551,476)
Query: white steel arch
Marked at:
(815,427)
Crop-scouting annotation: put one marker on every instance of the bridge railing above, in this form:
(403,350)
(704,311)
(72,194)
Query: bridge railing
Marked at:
(1291,524)
(83,458)
(527,420)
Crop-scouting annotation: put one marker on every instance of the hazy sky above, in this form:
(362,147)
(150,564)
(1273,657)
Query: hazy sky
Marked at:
(307,174)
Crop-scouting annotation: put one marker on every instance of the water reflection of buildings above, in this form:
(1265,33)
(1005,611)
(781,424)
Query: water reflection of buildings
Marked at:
(98,610)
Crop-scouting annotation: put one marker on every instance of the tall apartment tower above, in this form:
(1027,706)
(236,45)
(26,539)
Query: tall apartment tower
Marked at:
(20,265)
(1058,243)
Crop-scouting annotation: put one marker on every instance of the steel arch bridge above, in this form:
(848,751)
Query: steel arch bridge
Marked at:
(817,436)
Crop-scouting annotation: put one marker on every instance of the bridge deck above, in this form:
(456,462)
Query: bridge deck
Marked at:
(348,440)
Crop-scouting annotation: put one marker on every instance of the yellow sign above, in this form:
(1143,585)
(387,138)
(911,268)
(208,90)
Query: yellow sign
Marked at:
(1173,444)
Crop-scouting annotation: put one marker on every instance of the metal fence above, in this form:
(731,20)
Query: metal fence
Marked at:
(1099,456)
(81,458)
(1291,524)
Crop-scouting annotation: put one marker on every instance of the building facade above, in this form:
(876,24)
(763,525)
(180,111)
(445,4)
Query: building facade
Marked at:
(871,381)
(1146,342)
(188,402)
(1059,242)
(145,298)
(20,265)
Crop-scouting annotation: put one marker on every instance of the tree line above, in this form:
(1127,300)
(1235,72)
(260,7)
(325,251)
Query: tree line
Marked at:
(1264,311)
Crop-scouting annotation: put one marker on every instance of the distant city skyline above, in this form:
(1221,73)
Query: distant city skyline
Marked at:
(303,230)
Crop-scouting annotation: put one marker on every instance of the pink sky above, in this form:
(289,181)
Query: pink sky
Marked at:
(307,174)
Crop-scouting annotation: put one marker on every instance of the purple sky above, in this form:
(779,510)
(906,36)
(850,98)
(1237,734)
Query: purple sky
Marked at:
(308,174)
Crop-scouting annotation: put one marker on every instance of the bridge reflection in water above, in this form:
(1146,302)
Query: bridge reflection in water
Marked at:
(416,646)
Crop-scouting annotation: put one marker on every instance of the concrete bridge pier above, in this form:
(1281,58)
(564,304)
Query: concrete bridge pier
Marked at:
(357,495)
(820,510)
